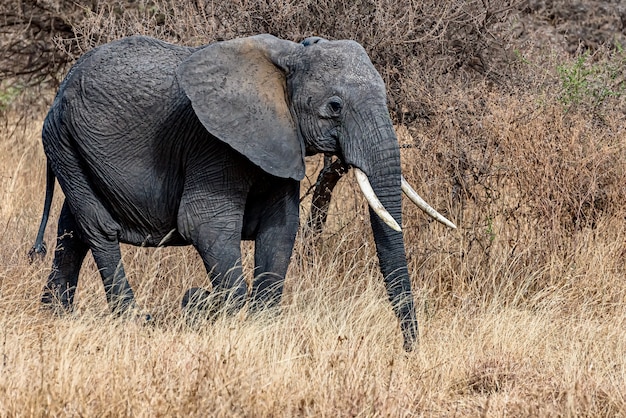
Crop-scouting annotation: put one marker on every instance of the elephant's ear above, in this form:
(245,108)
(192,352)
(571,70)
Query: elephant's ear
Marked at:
(238,90)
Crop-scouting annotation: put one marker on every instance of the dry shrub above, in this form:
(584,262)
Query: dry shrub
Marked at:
(521,308)
(466,38)
(532,186)
(591,24)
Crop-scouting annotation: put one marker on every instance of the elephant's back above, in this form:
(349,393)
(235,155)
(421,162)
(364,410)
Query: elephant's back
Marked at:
(122,97)
(122,104)
(121,110)
(130,75)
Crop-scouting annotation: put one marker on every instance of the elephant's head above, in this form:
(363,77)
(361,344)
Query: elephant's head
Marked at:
(276,101)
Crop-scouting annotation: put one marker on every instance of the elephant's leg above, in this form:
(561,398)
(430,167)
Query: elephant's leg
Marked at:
(108,258)
(210,217)
(223,263)
(276,234)
(69,254)
(100,231)
(97,226)
(219,247)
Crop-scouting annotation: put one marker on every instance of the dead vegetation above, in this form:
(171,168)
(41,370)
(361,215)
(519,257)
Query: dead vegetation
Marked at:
(512,117)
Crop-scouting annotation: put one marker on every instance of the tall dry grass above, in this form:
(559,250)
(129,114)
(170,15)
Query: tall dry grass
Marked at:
(522,309)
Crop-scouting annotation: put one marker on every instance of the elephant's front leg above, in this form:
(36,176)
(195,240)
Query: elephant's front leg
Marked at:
(278,222)
(218,244)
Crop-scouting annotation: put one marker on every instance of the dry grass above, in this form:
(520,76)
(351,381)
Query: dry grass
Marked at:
(522,309)
(519,316)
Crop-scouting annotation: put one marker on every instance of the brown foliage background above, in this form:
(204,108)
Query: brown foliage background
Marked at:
(512,118)
(511,112)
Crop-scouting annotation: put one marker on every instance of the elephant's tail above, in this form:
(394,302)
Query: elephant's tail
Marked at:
(39,248)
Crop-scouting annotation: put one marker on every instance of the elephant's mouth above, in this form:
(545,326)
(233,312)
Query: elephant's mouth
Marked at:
(324,145)
(379,209)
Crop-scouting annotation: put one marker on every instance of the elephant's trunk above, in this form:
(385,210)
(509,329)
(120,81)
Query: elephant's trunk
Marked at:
(374,202)
(390,249)
(379,159)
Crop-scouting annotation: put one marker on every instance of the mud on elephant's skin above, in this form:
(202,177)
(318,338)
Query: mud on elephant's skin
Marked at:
(156,144)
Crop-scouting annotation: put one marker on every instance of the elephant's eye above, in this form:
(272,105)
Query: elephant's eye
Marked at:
(335,104)
(331,108)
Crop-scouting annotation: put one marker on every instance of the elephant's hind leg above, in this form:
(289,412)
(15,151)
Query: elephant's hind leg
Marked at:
(119,294)
(97,226)
(69,254)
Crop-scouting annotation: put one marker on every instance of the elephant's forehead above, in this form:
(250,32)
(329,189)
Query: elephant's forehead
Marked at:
(345,62)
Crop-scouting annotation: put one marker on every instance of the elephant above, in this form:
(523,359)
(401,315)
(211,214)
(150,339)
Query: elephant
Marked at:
(156,144)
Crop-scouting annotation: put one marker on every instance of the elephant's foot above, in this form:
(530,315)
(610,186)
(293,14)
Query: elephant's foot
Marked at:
(127,309)
(56,301)
(197,305)
(264,313)
(262,308)
(135,315)
(196,298)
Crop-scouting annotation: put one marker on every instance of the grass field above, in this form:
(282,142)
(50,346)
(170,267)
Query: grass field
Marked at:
(533,323)
(514,134)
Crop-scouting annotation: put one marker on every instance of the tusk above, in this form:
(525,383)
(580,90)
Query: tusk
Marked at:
(415,198)
(366,188)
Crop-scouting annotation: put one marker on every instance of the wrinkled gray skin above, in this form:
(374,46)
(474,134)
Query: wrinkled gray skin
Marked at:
(155,144)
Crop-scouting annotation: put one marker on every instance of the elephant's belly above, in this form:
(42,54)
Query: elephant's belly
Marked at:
(143,202)
(144,219)
(154,239)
